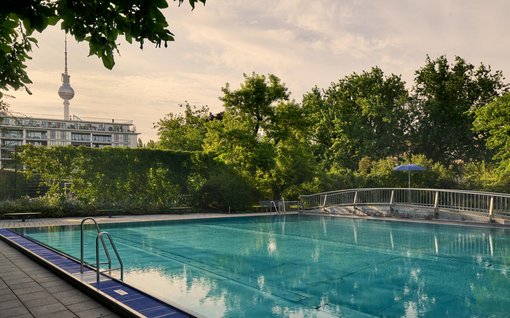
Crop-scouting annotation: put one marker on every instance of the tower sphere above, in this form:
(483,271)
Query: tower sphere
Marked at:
(66,92)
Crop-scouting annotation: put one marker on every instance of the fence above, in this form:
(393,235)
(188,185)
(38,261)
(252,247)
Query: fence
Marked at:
(489,204)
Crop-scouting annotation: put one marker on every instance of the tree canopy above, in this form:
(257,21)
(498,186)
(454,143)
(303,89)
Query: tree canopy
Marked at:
(494,120)
(184,132)
(446,97)
(99,23)
(361,115)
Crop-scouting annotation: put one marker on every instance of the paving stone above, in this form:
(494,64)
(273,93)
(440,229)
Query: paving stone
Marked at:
(5,291)
(60,314)
(36,295)
(95,313)
(57,288)
(16,311)
(8,271)
(10,304)
(30,303)
(6,295)
(83,306)
(43,278)
(46,309)
(17,279)
(25,288)
(23,316)
(68,293)
(71,300)
(55,282)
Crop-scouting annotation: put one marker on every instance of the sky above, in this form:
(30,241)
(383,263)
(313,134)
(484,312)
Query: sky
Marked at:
(304,43)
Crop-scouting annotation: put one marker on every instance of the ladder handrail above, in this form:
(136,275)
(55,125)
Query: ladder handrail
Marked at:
(102,241)
(98,270)
(275,207)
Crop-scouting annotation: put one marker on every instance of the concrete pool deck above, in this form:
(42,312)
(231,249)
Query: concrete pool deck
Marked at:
(28,289)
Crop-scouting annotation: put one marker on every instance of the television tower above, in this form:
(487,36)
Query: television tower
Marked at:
(66,92)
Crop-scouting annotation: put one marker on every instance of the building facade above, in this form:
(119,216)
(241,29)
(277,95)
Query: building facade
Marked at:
(21,130)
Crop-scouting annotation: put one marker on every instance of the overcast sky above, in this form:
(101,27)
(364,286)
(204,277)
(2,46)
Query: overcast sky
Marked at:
(305,43)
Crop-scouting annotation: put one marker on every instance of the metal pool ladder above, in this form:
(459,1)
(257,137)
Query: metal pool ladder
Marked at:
(99,237)
(277,204)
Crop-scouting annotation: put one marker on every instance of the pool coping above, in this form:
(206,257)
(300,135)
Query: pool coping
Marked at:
(122,298)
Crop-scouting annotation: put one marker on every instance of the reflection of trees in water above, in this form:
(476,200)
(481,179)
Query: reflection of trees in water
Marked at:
(492,290)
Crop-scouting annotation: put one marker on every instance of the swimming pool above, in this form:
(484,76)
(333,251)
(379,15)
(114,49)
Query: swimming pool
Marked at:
(309,266)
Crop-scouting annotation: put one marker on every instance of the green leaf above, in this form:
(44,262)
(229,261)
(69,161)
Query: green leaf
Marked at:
(108,61)
(52,20)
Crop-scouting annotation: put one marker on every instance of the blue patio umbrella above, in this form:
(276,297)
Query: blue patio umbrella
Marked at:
(409,167)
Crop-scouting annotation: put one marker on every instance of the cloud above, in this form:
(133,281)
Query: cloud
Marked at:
(305,43)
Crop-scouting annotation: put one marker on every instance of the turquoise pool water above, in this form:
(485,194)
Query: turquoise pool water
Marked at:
(309,266)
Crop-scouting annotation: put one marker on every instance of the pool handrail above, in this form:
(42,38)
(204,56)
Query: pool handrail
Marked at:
(81,243)
(98,270)
(273,203)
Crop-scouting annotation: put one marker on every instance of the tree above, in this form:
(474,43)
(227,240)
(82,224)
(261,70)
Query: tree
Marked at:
(243,136)
(262,135)
(446,97)
(255,100)
(493,120)
(99,23)
(184,132)
(362,115)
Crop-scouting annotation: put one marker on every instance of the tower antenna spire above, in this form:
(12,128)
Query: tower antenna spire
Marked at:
(66,92)
(65,54)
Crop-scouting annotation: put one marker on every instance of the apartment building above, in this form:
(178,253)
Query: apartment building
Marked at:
(23,130)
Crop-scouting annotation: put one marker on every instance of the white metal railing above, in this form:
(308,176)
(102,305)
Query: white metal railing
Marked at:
(489,204)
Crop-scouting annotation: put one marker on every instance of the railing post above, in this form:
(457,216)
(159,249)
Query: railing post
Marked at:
(392,200)
(436,205)
(491,208)
(355,203)
(98,237)
(325,199)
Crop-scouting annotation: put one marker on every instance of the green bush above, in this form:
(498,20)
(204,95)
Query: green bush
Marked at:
(225,190)
(483,176)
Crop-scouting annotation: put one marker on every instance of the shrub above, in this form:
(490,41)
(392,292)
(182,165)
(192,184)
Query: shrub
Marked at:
(225,190)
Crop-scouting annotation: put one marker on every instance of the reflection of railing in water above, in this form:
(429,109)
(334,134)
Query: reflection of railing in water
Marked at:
(425,242)
(488,204)
(449,245)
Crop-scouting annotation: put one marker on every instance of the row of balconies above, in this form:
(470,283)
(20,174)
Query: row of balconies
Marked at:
(67,125)
(43,136)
